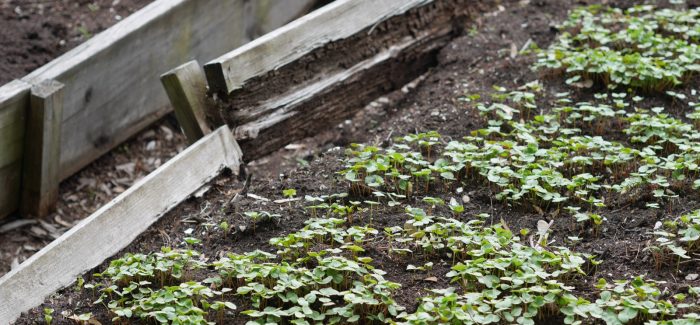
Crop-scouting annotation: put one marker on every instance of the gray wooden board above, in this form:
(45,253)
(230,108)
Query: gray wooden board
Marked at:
(270,13)
(10,182)
(306,110)
(112,80)
(14,99)
(338,20)
(112,88)
(116,224)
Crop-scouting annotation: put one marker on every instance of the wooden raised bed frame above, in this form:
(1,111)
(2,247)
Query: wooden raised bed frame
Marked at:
(111,89)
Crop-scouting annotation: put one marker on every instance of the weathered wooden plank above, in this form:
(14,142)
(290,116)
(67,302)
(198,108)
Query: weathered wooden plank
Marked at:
(338,20)
(333,81)
(186,87)
(303,112)
(10,183)
(42,149)
(12,135)
(14,100)
(271,14)
(116,224)
(112,87)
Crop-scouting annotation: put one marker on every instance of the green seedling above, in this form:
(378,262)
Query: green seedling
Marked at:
(289,193)
(260,216)
(224,226)
(48,316)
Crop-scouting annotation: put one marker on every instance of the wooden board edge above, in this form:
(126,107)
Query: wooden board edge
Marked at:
(292,41)
(11,91)
(87,245)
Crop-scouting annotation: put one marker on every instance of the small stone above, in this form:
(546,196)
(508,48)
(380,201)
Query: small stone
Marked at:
(431,279)
(14,264)
(466,198)
(691,276)
(38,231)
(151,146)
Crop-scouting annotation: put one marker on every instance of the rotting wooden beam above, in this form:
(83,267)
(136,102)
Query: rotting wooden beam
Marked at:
(116,225)
(14,100)
(42,150)
(337,20)
(323,68)
(186,87)
(301,113)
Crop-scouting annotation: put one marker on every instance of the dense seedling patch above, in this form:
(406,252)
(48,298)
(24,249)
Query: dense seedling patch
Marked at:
(158,287)
(558,160)
(331,290)
(641,47)
(676,240)
(497,278)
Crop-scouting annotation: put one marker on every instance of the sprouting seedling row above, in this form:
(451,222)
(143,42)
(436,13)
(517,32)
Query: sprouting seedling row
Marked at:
(642,47)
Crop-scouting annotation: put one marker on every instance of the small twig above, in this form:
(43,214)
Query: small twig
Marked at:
(243,191)
(389,136)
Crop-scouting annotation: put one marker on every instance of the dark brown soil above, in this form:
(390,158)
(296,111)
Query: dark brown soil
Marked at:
(470,64)
(33,32)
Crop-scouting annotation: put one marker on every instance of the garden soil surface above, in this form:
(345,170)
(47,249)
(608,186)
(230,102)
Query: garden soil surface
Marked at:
(470,64)
(34,32)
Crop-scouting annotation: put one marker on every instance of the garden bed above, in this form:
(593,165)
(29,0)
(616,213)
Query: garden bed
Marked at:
(492,53)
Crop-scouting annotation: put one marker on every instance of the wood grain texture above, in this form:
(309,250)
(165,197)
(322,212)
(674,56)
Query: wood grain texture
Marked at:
(116,224)
(336,79)
(112,81)
(271,14)
(338,20)
(187,88)
(14,100)
(42,145)
(10,182)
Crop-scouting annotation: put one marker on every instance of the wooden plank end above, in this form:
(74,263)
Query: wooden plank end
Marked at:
(186,87)
(42,150)
(216,77)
